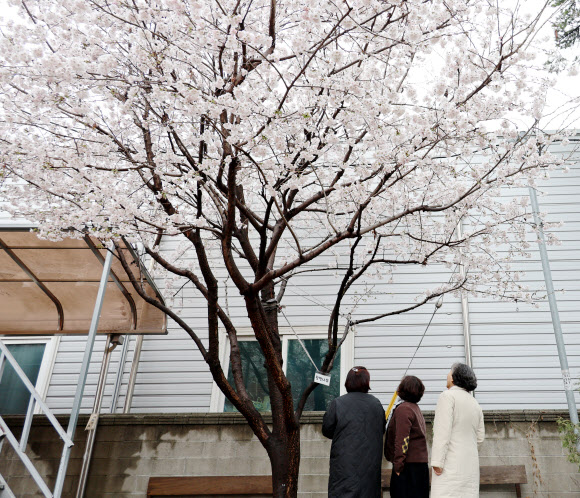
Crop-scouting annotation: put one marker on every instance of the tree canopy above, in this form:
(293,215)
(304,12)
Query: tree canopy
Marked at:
(268,134)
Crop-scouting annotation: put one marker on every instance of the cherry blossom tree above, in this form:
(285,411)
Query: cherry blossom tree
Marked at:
(268,135)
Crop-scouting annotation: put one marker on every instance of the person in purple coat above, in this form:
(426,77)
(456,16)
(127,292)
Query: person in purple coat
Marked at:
(406,443)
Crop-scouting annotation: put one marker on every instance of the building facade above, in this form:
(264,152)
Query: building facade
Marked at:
(513,349)
(512,344)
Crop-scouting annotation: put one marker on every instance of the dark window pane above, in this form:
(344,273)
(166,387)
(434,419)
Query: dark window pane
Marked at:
(14,396)
(299,370)
(255,377)
(300,373)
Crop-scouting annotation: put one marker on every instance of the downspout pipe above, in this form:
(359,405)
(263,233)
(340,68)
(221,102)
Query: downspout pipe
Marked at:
(465,307)
(561,346)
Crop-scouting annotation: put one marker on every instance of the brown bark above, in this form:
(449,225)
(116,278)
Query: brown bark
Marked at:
(284,444)
(284,453)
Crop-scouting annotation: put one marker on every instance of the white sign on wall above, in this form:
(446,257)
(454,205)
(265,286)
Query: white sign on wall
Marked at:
(322,379)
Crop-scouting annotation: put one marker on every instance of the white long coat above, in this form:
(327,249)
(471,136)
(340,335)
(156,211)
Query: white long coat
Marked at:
(457,430)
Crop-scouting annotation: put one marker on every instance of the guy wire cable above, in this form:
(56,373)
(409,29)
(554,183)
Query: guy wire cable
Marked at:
(300,341)
(438,305)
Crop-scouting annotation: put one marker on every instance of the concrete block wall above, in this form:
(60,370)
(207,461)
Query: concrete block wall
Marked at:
(131,448)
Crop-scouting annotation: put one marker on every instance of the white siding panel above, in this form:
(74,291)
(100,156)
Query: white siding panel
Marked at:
(514,348)
(66,371)
(172,375)
(514,351)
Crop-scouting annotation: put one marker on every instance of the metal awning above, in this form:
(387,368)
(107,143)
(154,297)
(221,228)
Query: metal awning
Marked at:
(50,287)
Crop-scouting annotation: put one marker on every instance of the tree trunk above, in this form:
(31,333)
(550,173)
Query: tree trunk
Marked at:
(284,443)
(284,453)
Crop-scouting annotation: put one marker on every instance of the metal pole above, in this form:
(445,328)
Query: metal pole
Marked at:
(27,423)
(72,423)
(6,432)
(133,374)
(31,389)
(119,377)
(94,419)
(568,388)
(5,491)
(136,356)
(465,308)
(1,363)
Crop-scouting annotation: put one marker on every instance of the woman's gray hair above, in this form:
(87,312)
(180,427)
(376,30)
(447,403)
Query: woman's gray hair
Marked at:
(463,376)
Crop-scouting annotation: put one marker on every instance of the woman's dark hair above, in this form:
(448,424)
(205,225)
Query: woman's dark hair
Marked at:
(463,376)
(358,380)
(411,389)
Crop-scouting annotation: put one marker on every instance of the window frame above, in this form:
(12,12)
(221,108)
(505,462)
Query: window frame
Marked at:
(218,398)
(51,344)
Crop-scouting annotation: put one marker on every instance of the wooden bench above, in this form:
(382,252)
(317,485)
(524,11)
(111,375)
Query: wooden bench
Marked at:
(262,485)
(489,474)
(207,486)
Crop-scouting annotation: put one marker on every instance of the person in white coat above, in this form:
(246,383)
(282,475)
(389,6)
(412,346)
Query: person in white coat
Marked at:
(457,430)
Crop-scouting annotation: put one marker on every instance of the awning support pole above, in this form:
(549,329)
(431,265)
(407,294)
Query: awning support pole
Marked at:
(112,342)
(120,371)
(136,358)
(133,374)
(72,424)
(568,387)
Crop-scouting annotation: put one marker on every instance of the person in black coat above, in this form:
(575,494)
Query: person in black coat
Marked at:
(356,423)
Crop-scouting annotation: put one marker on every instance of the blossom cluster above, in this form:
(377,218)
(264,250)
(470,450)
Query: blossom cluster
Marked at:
(331,120)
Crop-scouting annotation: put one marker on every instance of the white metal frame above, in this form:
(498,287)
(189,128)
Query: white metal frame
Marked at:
(19,446)
(246,334)
(48,360)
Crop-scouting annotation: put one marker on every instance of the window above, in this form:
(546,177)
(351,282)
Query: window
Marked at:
(254,376)
(300,372)
(36,357)
(297,366)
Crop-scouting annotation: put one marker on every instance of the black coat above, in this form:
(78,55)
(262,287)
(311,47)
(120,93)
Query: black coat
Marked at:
(356,423)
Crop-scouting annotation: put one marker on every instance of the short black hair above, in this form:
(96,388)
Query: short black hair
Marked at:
(411,389)
(463,376)
(358,380)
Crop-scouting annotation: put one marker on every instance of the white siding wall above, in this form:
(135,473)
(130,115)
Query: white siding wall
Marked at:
(65,374)
(514,352)
(514,346)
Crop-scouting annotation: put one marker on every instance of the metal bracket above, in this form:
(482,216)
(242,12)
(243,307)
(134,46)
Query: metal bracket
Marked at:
(92,423)
(117,340)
